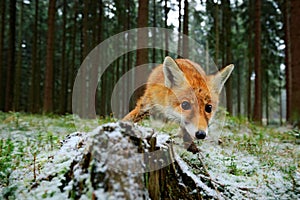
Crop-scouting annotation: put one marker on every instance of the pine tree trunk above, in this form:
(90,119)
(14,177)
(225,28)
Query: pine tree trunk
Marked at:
(216,24)
(84,70)
(266,95)
(250,63)
(119,67)
(185,45)
(48,91)
(11,56)
(280,97)
(257,117)
(2,31)
(179,30)
(85,29)
(154,32)
(102,105)
(33,96)
(240,93)
(124,106)
(142,55)
(287,59)
(99,23)
(295,61)
(17,82)
(166,11)
(128,57)
(142,41)
(63,89)
(95,27)
(73,56)
(227,27)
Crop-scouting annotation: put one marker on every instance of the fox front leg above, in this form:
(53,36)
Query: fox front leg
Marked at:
(137,114)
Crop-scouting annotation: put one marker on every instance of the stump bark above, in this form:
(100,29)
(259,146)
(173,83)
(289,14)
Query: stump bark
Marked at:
(125,161)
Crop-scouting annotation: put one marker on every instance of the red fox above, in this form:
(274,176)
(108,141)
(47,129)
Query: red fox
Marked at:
(180,91)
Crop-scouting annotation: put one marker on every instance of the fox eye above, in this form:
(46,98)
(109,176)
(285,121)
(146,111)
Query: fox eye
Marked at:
(185,105)
(208,108)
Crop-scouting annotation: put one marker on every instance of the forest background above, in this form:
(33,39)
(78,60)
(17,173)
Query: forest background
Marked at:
(43,43)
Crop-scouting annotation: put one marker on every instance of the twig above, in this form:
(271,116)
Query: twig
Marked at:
(207,173)
(171,150)
(34,160)
(208,178)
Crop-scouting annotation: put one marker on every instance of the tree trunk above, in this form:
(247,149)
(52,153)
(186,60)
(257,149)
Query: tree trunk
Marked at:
(33,94)
(295,61)
(17,82)
(63,80)
(227,27)
(85,21)
(84,71)
(241,64)
(124,107)
(250,63)
(280,96)
(217,42)
(128,56)
(2,32)
(99,23)
(48,91)
(257,117)
(154,32)
(266,95)
(166,11)
(102,105)
(11,56)
(142,41)
(223,34)
(73,56)
(118,65)
(95,26)
(288,69)
(185,45)
(142,54)
(101,20)
(179,30)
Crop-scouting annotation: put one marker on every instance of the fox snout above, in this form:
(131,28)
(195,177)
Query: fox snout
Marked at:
(194,132)
(200,134)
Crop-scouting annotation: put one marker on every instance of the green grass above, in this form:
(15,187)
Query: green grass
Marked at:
(24,136)
(266,143)
(247,152)
(6,158)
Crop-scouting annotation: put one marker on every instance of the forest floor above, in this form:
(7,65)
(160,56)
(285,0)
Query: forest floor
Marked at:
(243,161)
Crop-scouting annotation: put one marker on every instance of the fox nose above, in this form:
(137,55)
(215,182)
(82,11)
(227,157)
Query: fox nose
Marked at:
(200,134)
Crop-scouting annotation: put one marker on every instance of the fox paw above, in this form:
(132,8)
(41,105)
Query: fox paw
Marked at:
(193,148)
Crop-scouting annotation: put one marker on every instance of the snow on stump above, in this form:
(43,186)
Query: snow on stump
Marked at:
(126,161)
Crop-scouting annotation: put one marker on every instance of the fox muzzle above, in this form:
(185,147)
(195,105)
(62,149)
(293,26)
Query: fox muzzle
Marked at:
(200,134)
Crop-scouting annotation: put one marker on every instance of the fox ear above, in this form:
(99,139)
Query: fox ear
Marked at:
(221,77)
(173,75)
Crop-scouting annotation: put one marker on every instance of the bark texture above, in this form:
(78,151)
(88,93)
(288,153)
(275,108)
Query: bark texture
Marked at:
(257,117)
(48,92)
(295,61)
(128,162)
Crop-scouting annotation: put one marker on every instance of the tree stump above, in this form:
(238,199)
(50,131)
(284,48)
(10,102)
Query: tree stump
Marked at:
(126,161)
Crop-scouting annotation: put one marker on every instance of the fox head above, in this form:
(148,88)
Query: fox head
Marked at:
(192,96)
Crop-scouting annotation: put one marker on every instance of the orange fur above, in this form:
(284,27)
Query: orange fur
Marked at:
(178,81)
